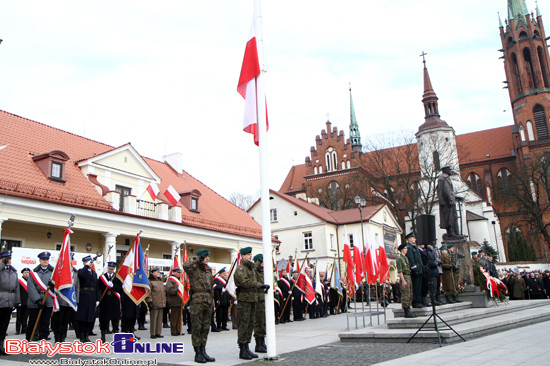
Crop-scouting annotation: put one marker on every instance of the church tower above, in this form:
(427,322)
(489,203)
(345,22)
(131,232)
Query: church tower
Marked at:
(526,63)
(436,139)
(354,134)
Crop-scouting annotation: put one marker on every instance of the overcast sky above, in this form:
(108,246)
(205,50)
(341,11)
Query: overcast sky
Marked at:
(163,74)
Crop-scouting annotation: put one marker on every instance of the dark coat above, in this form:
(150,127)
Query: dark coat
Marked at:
(23,295)
(221,297)
(129,308)
(88,295)
(35,292)
(247,284)
(172,293)
(9,287)
(415,260)
(110,306)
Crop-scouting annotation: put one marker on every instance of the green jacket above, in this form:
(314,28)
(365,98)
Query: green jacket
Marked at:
(402,264)
(247,283)
(201,281)
(260,278)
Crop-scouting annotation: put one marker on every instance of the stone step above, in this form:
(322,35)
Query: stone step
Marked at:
(493,321)
(427,311)
(462,315)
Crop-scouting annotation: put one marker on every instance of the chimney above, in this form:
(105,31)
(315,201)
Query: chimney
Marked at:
(175,160)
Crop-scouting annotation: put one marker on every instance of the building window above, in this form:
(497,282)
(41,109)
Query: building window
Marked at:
(332,242)
(334,161)
(540,122)
(166,256)
(57,170)
(474,183)
(308,240)
(350,237)
(314,170)
(194,204)
(504,180)
(124,191)
(10,244)
(72,247)
(530,133)
(273,214)
(328,162)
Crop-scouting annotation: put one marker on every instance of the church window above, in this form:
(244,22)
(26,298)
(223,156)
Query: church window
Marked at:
(415,191)
(334,196)
(543,66)
(334,161)
(523,35)
(320,169)
(504,180)
(314,170)
(475,184)
(522,134)
(437,163)
(327,162)
(530,134)
(540,122)
(515,72)
(349,164)
(529,68)
(343,165)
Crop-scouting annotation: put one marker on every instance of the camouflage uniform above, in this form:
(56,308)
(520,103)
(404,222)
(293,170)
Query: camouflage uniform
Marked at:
(247,297)
(403,266)
(202,281)
(259,322)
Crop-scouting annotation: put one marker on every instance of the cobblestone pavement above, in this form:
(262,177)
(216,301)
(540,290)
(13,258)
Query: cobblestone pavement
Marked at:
(348,353)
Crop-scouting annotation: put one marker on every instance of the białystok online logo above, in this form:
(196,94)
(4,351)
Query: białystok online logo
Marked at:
(122,343)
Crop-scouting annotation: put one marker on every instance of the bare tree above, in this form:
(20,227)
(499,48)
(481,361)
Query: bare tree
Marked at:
(244,201)
(338,194)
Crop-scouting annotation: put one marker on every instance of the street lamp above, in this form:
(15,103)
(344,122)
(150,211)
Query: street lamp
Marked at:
(361,202)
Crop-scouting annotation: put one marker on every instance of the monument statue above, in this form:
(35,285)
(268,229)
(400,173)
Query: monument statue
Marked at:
(448,218)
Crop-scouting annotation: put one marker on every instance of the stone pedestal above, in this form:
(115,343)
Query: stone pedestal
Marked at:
(478,298)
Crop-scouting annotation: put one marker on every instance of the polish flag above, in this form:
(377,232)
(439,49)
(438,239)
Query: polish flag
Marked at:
(153,190)
(247,87)
(349,262)
(383,267)
(171,195)
(358,259)
(304,284)
(175,265)
(371,260)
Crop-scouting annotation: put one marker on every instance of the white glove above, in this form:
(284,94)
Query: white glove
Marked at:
(235,303)
(96,304)
(110,283)
(290,292)
(223,290)
(292,299)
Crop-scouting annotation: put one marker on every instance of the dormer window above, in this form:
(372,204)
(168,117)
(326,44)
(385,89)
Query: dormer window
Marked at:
(190,199)
(194,204)
(52,164)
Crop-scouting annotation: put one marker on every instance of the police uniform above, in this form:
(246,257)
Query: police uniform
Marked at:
(37,293)
(9,295)
(247,298)
(22,309)
(285,287)
(110,305)
(202,301)
(88,296)
(259,321)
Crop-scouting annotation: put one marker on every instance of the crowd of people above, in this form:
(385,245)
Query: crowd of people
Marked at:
(526,285)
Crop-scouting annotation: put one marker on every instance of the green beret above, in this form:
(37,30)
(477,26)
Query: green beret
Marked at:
(449,246)
(410,235)
(444,247)
(203,251)
(474,253)
(246,250)
(402,246)
(259,257)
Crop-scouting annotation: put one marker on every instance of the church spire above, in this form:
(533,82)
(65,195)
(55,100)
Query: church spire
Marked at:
(429,99)
(517,10)
(355,136)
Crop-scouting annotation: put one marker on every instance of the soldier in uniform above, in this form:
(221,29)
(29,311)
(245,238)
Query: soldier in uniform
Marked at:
(65,315)
(448,278)
(37,285)
(417,270)
(404,270)
(202,299)
(174,291)
(247,297)
(88,299)
(285,287)
(156,301)
(22,309)
(259,321)
(222,300)
(455,267)
(109,307)
(9,295)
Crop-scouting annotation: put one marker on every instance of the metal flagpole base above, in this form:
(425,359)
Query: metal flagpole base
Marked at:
(274,358)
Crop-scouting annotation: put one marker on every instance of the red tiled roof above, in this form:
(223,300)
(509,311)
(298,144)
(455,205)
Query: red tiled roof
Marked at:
(485,145)
(294,179)
(19,175)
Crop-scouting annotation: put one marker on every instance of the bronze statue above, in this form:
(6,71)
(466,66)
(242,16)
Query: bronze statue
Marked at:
(448,218)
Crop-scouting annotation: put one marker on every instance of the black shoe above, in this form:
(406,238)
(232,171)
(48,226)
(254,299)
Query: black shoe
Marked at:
(225,328)
(108,332)
(456,300)
(243,354)
(141,327)
(253,355)
(153,336)
(449,299)
(92,333)
(175,334)
(205,355)
(103,336)
(159,336)
(216,330)
(418,306)
(165,325)
(199,358)
(2,350)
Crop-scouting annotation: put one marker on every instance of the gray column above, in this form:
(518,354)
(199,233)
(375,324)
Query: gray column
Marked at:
(110,241)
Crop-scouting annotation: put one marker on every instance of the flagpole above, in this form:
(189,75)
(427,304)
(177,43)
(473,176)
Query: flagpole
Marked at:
(264,186)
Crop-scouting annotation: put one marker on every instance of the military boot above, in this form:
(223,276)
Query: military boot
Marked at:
(449,299)
(259,345)
(242,353)
(103,332)
(205,355)
(253,355)
(455,299)
(409,313)
(440,300)
(199,357)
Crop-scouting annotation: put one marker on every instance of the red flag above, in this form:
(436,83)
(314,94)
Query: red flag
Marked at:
(304,284)
(174,265)
(358,260)
(172,195)
(153,190)
(247,87)
(62,275)
(185,278)
(133,275)
(383,267)
(349,262)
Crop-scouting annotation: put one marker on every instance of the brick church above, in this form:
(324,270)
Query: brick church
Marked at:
(484,161)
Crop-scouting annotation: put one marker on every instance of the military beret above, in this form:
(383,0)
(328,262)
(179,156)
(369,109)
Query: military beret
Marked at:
(221,270)
(449,246)
(25,269)
(177,269)
(444,247)
(402,246)
(5,253)
(474,253)
(246,250)
(481,251)
(87,258)
(203,251)
(44,255)
(155,270)
(111,264)
(259,257)
(410,235)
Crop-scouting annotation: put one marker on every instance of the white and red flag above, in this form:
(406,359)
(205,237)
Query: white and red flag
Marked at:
(383,267)
(174,265)
(62,275)
(358,259)
(185,277)
(349,262)
(133,273)
(231,287)
(248,88)
(304,284)
(153,190)
(172,195)
(371,260)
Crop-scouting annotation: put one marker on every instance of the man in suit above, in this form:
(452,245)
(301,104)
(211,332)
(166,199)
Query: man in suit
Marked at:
(22,309)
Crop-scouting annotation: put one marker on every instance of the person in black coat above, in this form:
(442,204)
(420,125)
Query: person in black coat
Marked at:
(88,299)
(109,307)
(22,309)
(130,313)
(285,287)
(297,304)
(221,299)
